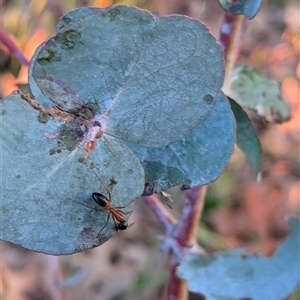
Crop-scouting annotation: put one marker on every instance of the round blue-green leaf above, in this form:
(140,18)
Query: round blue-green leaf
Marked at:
(232,275)
(43,171)
(198,159)
(151,80)
(249,8)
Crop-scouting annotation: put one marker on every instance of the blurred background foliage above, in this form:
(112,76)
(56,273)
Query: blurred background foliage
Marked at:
(239,211)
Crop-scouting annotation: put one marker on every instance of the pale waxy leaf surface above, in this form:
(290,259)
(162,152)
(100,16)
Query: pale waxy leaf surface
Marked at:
(41,174)
(150,80)
(198,159)
(254,91)
(231,275)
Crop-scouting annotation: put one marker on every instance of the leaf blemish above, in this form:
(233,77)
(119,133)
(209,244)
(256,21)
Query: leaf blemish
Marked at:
(69,39)
(48,58)
(208,99)
(113,13)
(43,118)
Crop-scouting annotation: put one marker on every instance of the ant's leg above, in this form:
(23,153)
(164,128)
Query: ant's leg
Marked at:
(107,190)
(95,209)
(118,208)
(122,212)
(108,216)
(82,204)
(116,225)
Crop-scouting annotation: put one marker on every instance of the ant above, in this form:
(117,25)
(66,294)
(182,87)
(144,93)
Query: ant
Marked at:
(115,212)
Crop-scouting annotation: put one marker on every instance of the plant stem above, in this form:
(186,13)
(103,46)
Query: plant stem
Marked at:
(185,237)
(55,278)
(186,230)
(177,288)
(13,49)
(231,31)
(165,217)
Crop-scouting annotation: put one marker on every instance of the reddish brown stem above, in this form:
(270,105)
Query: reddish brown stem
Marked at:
(177,288)
(185,236)
(185,233)
(231,32)
(55,277)
(13,49)
(165,217)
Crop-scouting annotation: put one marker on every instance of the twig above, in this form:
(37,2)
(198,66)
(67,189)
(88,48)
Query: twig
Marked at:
(186,230)
(185,237)
(55,278)
(165,217)
(13,49)
(231,31)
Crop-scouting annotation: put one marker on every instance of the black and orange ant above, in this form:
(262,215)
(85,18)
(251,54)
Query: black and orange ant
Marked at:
(116,212)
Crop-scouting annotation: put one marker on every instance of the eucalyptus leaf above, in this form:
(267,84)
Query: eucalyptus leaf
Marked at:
(249,8)
(254,91)
(149,80)
(44,174)
(232,275)
(198,159)
(246,137)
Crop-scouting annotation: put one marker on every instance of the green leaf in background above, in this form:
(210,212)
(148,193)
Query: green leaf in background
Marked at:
(196,160)
(249,8)
(43,170)
(149,80)
(252,90)
(246,137)
(233,276)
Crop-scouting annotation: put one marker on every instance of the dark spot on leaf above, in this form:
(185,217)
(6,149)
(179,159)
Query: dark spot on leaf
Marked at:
(3,112)
(69,39)
(66,21)
(113,13)
(208,99)
(52,152)
(82,160)
(43,118)
(130,171)
(47,57)
(18,176)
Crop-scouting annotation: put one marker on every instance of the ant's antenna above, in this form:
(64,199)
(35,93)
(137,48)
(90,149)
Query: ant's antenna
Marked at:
(107,190)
